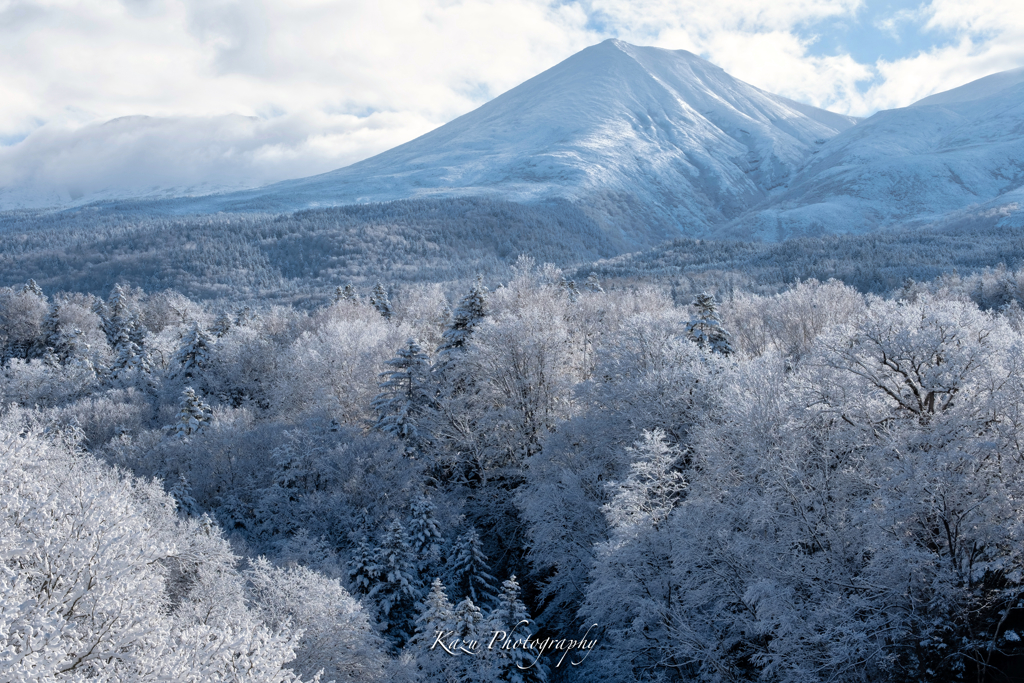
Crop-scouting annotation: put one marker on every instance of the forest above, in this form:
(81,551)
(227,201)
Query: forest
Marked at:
(692,463)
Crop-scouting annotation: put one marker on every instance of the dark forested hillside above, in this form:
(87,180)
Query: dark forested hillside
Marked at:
(305,254)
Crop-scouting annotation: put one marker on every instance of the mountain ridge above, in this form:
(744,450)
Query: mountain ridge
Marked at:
(672,138)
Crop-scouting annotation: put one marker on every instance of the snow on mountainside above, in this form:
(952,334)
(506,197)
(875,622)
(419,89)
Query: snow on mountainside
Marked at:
(951,154)
(654,143)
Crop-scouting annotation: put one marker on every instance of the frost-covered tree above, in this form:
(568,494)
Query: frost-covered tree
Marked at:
(193,415)
(379,300)
(425,535)
(705,328)
(511,618)
(336,639)
(397,587)
(222,325)
(405,397)
(436,618)
(192,357)
(104,582)
(129,361)
(654,486)
(469,313)
(469,569)
(346,293)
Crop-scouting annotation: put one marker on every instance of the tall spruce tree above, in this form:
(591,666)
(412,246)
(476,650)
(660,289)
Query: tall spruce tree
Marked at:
(467,316)
(469,569)
(379,300)
(193,416)
(193,355)
(405,396)
(705,328)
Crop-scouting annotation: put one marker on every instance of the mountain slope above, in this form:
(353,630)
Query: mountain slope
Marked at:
(904,167)
(654,143)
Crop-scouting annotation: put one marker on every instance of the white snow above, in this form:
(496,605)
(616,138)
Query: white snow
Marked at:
(614,123)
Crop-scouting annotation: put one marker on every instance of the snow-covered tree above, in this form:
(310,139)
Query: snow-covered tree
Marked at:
(405,396)
(336,639)
(192,357)
(379,300)
(222,325)
(510,617)
(193,415)
(705,328)
(469,313)
(436,618)
(101,581)
(425,535)
(346,293)
(397,587)
(469,569)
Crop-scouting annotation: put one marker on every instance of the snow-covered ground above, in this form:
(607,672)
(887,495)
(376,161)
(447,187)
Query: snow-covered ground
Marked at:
(954,152)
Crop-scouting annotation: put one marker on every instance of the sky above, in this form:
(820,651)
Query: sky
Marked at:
(127,96)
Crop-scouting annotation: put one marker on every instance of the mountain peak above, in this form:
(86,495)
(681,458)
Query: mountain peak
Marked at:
(654,143)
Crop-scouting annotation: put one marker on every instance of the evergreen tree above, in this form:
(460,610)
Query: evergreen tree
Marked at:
(346,293)
(569,287)
(424,532)
(593,284)
(519,664)
(469,568)
(706,327)
(246,316)
(182,492)
(405,396)
(363,571)
(193,415)
(32,288)
(467,316)
(193,356)
(436,619)
(221,326)
(130,360)
(436,614)
(120,319)
(397,587)
(379,300)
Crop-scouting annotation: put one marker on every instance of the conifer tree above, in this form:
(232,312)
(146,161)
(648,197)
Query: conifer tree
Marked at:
(519,664)
(706,326)
(436,619)
(182,492)
(193,416)
(436,614)
(32,288)
(364,572)
(346,293)
(221,326)
(467,316)
(130,359)
(379,300)
(469,568)
(193,356)
(397,587)
(569,287)
(593,284)
(405,396)
(424,532)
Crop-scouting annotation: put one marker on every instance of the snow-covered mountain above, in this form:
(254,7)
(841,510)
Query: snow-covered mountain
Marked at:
(654,143)
(951,156)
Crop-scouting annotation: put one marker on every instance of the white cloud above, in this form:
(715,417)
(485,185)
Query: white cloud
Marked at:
(982,37)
